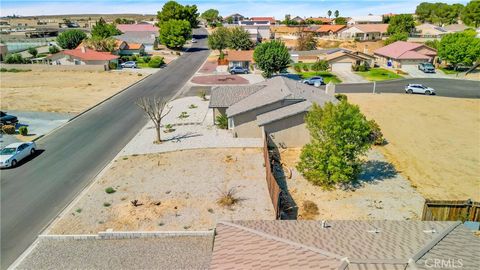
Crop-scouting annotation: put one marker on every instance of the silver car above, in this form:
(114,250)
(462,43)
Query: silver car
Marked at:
(11,154)
(129,64)
(413,88)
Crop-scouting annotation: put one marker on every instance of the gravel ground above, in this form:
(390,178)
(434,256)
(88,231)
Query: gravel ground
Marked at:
(383,194)
(176,191)
(199,133)
(187,252)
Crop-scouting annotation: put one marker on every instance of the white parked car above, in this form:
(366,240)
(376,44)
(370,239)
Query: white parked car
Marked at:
(418,88)
(11,154)
(194,40)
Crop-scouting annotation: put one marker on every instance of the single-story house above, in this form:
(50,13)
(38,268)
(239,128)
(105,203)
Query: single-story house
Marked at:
(298,19)
(82,56)
(454,28)
(327,30)
(313,55)
(270,20)
(258,33)
(344,60)
(125,48)
(404,53)
(365,31)
(428,30)
(276,107)
(344,244)
(235,18)
(321,20)
(369,19)
(140,27)
(147,38)
(240,58)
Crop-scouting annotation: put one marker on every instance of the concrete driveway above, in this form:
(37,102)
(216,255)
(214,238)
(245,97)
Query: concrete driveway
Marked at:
(38,123)
(348,76)
(414,72)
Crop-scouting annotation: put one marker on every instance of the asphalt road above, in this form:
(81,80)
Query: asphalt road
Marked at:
(35,192)
(443,87)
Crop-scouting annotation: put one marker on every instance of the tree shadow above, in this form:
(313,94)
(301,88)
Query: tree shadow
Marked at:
(374,171)
(288,206)
(178,138)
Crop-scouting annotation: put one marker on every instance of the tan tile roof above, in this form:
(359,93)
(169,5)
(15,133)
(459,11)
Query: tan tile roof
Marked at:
(334,28)
(374,27)
(240,55)
(286,29)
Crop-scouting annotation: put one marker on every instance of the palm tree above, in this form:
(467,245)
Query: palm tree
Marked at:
(336,13)
(329,13)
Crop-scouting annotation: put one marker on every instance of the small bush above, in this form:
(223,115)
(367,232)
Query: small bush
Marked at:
(79,210)
(33,51)
(106,204)
(183,115)
(156,62)
(341,97)
(8,129)
(192,106)
(110,190)
(53,49)
(203,95)
(169,128)
(305,67)
(112,65)
(23,131)
(15,58)
(146,59)
(309,210)
(222,121)
(297,68)
(228,198)
(320,65)
(376,135)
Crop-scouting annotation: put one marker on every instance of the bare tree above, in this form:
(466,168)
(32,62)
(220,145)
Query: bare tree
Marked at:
(154,108)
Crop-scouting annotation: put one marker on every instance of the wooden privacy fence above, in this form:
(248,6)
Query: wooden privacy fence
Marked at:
(451,210)
(273,188)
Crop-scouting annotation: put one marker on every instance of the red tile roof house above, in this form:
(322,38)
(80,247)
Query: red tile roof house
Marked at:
(82,56)
(402,53)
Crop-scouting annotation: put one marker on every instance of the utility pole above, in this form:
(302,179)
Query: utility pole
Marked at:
(374,86)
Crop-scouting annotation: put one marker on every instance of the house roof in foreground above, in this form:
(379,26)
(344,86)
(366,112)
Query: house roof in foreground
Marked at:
(341,245)
(137,28)
(233,55)
(277,89)
(225,96)
(147,37)
(167,252)
(371,27)
(283,112)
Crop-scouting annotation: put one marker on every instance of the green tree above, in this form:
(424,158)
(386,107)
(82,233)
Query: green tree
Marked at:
(306,41)
(271,57)
(104,30)
(329,13)
(320,65)
(210,15)
(433,43)
(239,39)
(15,58)
(340,21)
(336,13)
(53,49)
(174,11)
(402,23)
(229,20)
(101,44)
(424,11)
(462,47)
(396,37)
(174,33)
(70,39)
(439,13)
(33,51)
(340,135)
(219,39)
(471,14)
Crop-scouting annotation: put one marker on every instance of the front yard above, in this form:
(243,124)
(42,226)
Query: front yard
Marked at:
(172,191)
(327,76)
(378,74)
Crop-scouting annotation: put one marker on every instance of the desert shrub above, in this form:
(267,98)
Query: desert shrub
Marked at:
(376,135)
(183,115)
(297,68)
(15,58)
(8,129)
(192,106)
(202,94)
(305,67)
(169,128)
(53,49)
(112,65)
(33,51)
(156,62)
(222,121)
(309,210)
(320,65)
(23,131)
(110,190)
(146,59)
(341,97)
(14,70)
(106,204)
(228,198)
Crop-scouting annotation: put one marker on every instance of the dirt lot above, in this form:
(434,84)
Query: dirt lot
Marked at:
(433,141)
(176,191)
(381,193)
(60,91)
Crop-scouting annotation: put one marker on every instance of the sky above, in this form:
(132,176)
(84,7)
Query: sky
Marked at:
(248,8)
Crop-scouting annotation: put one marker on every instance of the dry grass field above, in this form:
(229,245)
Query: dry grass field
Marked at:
(433,141)
(60,91)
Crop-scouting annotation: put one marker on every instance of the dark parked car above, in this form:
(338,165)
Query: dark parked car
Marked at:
(426,67)
(238,70)
(7,119)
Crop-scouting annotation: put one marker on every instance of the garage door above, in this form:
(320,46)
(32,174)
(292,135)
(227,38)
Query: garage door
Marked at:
(341,67)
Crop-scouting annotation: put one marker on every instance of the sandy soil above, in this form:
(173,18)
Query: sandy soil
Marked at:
(176,190)
(381,193)
(433,141)
(60,91)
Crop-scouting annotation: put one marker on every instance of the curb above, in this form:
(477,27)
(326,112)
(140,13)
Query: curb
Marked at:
(93,107)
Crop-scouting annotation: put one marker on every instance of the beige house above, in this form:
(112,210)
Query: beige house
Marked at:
(82,56)
(428,30)
(403,53)
(365,31)
(276,107)
(344,60)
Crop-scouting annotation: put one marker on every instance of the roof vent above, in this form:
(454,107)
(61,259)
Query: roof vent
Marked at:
(375,230)
(325,225)
(432,231)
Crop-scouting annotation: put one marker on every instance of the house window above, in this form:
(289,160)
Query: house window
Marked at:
(231,124)
(77,62)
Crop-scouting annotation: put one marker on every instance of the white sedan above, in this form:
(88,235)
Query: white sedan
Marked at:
(11,154)
(418,88)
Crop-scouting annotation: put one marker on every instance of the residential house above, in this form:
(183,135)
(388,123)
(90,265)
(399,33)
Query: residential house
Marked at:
(276,107)
(365,31)
(258,33)
(82,56)
(402,53)
(344,60)
(329,31)
(369,19)
(124,48)
(240,58)
(320,20)
(344,244)
(139,27)
(298,20)
(270,20)
(454,28)
(147,38)
(428,30)
(235,18)
(311,56)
